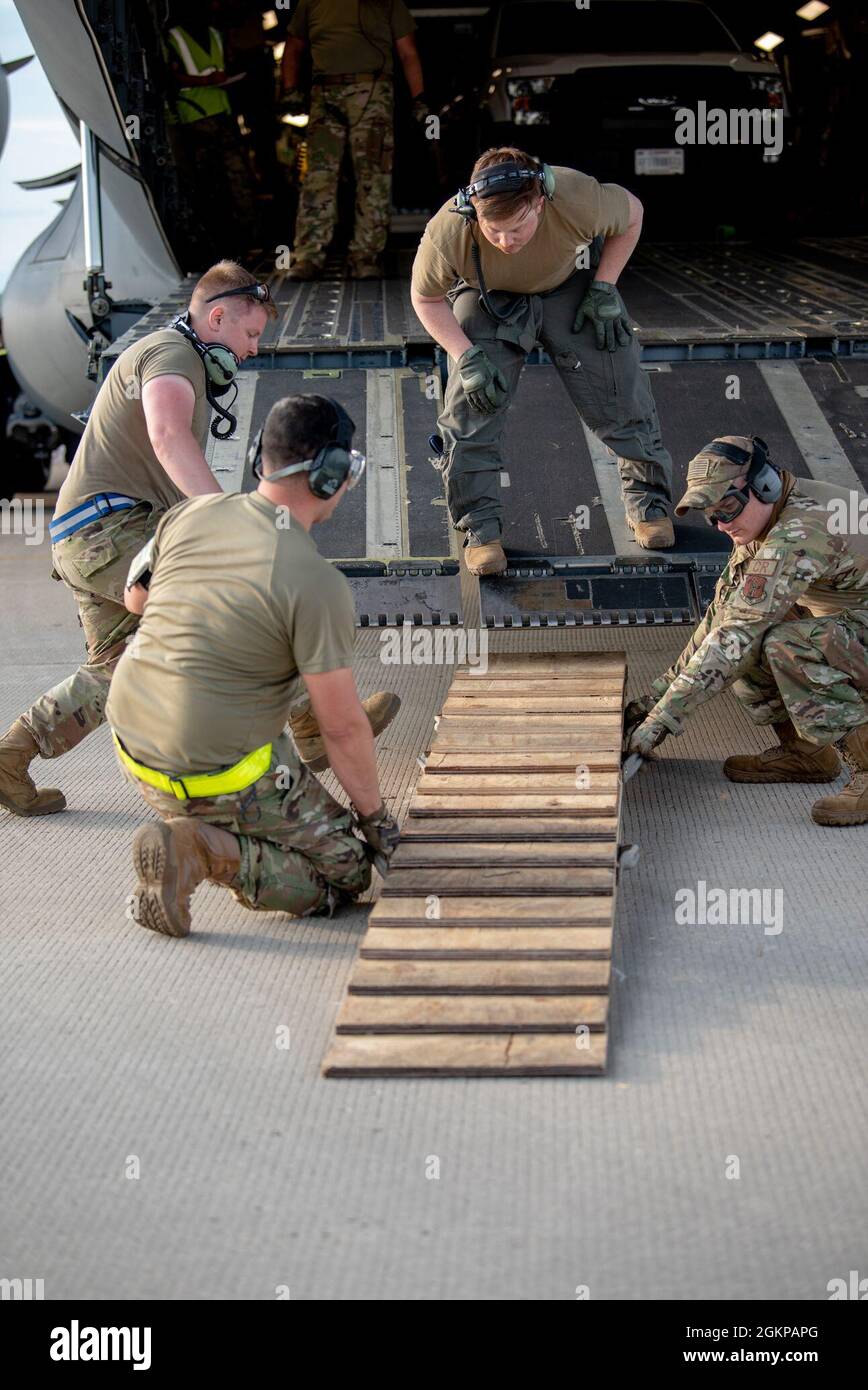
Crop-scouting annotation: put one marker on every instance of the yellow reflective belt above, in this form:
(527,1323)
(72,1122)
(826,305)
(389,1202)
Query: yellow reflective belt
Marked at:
(243,774)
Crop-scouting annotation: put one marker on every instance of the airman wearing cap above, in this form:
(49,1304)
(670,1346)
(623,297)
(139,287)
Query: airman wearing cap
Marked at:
(787,629)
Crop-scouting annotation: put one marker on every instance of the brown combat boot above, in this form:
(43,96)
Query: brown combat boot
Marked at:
(488,558)
(18,792)
(793,760)
(171,859)
(656,533)
(850,806)
(380,709)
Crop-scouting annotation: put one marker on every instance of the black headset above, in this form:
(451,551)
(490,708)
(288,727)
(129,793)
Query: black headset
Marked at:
(220,362)
(508,177)
(763,479)
(330,467)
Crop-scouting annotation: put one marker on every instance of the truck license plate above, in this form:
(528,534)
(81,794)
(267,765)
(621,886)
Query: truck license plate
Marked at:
(659,162)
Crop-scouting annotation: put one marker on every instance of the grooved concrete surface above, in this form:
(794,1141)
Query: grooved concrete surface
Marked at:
(729,1045)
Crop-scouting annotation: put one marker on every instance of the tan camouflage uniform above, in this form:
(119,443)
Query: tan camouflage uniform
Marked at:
(295,838)
(94,563)
(757,637)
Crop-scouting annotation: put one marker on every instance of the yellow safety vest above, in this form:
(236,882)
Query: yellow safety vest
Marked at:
(198,103)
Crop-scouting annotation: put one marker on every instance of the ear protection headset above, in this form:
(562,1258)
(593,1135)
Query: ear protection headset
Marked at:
(219,361)
(508,177)
(763,478)
(332,466)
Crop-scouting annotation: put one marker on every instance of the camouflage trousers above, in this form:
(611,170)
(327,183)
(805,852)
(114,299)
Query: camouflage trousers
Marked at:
(294,837)
(94,564)
(610,392)
(814,670)
(362,112)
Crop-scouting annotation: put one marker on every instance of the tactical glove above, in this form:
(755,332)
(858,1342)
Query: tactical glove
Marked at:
(420,109)
(380,829)
(636,711)
(293,102)
(646,737)
(484,383)
(604,308)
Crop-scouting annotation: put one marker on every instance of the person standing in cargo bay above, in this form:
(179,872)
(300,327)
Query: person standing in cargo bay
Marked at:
(518,258)
(352,96)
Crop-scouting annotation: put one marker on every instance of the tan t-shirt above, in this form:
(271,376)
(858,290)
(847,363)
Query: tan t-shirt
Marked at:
(580,210)
(239,604)
(115,453)
(347,38)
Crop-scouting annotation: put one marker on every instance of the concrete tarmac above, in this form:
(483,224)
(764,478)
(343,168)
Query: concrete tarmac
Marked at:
(157,1143)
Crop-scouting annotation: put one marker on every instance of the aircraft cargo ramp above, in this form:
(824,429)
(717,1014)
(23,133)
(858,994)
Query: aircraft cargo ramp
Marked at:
(736,341)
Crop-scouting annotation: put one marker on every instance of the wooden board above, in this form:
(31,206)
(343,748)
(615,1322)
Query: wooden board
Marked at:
(490,976)
(507,911)
(577,804)
(488,952)
(509,760)
(413,854)
(509,829)
(499,880)
(507,1054)
(450,1013)
(581,940)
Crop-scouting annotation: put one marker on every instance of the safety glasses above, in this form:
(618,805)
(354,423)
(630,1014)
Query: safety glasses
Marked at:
(357,468)
(258,291)
(731,505)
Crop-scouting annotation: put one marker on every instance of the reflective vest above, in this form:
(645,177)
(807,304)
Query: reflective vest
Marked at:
(197,103)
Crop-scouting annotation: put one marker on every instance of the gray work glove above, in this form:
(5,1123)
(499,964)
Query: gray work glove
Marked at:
(380,829)
(604,308)
(484,384)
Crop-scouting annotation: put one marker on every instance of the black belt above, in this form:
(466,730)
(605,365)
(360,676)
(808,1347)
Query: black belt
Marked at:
(331,80)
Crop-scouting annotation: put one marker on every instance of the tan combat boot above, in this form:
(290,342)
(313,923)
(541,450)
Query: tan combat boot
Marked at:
(793,760)
(850,806)
(171,860)
(380,709)
(488,558)
(304,270)
(657,533)
(18,792)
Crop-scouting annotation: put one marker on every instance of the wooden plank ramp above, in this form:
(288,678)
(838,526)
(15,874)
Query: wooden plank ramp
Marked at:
(489,950)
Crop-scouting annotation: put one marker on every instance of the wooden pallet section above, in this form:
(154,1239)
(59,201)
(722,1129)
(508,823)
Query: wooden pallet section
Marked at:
(489,950)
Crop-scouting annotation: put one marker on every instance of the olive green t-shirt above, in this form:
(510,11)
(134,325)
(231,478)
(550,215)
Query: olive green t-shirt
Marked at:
(240,603)
(348,38)
(115,453)
(581,209)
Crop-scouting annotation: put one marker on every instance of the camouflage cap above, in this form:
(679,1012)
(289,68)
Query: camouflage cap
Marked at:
(709,476)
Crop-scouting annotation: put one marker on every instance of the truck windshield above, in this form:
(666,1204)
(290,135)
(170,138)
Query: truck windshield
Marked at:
(610,26)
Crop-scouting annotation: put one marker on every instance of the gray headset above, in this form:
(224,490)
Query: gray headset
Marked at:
(763,479)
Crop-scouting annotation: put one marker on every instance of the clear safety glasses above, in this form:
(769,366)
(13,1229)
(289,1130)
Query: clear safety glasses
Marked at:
(357,468)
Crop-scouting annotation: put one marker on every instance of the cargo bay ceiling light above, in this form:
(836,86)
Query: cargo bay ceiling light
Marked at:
(812,10)
(768,41)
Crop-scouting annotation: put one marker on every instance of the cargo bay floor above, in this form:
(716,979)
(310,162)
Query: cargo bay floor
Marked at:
(255,1172)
